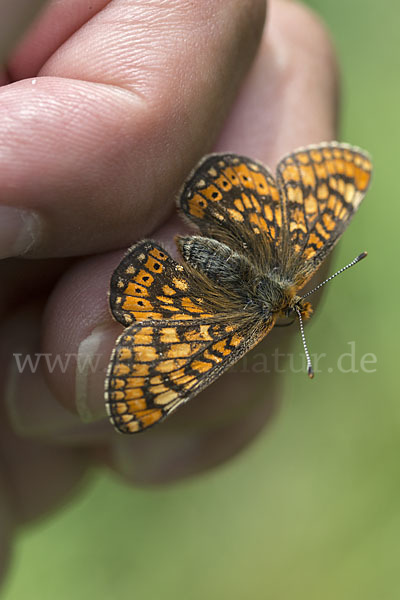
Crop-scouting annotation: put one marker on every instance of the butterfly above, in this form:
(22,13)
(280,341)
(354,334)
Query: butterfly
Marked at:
(259,240)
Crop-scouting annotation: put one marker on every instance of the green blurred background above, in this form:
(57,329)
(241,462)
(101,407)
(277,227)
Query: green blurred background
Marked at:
(312,509)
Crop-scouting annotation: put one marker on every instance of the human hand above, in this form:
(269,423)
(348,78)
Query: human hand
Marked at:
(124,101)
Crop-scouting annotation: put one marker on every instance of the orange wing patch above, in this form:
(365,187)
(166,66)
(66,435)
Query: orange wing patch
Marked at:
(233,196)
(150,284)
(322,187)
(173,362)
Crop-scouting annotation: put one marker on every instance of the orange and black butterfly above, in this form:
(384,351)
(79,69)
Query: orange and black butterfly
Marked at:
(260,238)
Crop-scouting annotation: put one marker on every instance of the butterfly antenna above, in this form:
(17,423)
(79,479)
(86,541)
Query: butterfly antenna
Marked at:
(310,371)
(351,264)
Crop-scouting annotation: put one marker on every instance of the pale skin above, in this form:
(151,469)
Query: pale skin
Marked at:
(125,98)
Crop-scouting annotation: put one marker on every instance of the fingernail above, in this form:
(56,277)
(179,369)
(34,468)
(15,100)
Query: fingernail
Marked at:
(93,357)
(33,412)
(19,230)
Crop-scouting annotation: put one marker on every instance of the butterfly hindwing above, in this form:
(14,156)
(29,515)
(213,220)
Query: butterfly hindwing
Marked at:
(322,187)
(150,284)
(158,365)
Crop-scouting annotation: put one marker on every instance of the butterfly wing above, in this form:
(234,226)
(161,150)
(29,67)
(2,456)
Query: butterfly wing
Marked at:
(235,200)
(322,187)
(174,344)
(150,284)
(157,366)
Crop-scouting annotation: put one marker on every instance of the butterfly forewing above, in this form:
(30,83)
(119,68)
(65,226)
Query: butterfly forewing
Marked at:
(234,199)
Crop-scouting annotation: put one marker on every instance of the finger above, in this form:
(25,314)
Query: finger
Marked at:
(86,330)
(37,476)
(31,410)
(15,16)
(18,277)
(291,94)
(92,152)
(40,477)
(84,288)
(83,291)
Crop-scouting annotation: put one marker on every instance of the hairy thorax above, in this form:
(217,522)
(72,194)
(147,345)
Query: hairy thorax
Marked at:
(259,291)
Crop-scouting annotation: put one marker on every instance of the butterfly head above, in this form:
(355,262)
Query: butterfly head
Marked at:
(304,307)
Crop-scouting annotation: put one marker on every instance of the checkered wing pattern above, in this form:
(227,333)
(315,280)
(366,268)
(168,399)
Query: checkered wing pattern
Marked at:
(158,366)
(150,284)
(235,200)
(322,187)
